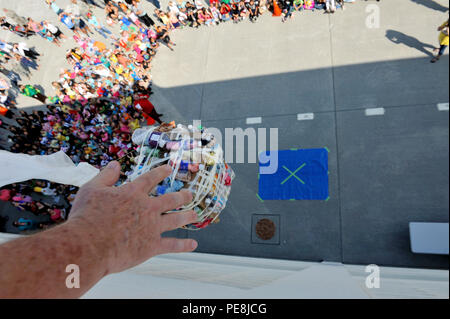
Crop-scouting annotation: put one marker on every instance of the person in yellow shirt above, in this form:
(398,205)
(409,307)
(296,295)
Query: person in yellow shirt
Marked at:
(133,125)
(443,41)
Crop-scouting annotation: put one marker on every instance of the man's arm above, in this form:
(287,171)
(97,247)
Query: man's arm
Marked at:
(35,266)
(442,26)
(110,229)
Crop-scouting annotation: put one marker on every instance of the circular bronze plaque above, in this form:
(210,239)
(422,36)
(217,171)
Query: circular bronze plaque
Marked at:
(265,229)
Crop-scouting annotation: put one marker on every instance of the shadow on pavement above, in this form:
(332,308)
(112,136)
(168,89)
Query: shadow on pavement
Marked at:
(431,4)
(401,38)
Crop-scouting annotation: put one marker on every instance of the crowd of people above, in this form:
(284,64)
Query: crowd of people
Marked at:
(99,100)
(16,64)
(196,13)
(29,27)
(45,212)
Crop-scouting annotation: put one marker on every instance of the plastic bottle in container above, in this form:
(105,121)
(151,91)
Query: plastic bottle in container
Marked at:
(153,139)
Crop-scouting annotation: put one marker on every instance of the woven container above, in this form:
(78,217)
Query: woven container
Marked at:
(197,164)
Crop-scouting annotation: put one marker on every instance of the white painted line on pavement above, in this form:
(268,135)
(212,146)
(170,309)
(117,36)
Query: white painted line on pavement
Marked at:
(375,111)
(442,106)
(305,116)
(254,120)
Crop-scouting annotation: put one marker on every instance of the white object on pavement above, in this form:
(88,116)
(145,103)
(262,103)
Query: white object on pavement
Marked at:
(57,167)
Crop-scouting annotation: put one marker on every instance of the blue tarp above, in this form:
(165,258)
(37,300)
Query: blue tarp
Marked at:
(301,174)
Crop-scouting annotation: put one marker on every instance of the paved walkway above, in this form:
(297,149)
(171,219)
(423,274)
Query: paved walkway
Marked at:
(374,98)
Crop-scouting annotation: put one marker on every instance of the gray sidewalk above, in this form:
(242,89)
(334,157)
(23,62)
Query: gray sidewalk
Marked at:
(385,171)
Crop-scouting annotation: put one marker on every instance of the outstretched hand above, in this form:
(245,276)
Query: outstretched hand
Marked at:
(124,223)
(109,230)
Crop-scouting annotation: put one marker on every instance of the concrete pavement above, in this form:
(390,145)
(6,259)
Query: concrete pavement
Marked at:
(385,170)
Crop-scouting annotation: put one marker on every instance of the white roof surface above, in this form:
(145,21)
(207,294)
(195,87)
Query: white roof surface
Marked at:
(198,275)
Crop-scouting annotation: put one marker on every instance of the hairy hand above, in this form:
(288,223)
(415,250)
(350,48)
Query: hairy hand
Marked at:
(124,224)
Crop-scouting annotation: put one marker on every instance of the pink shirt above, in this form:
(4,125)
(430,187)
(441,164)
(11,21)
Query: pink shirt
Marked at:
(5,194)
(56,214)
